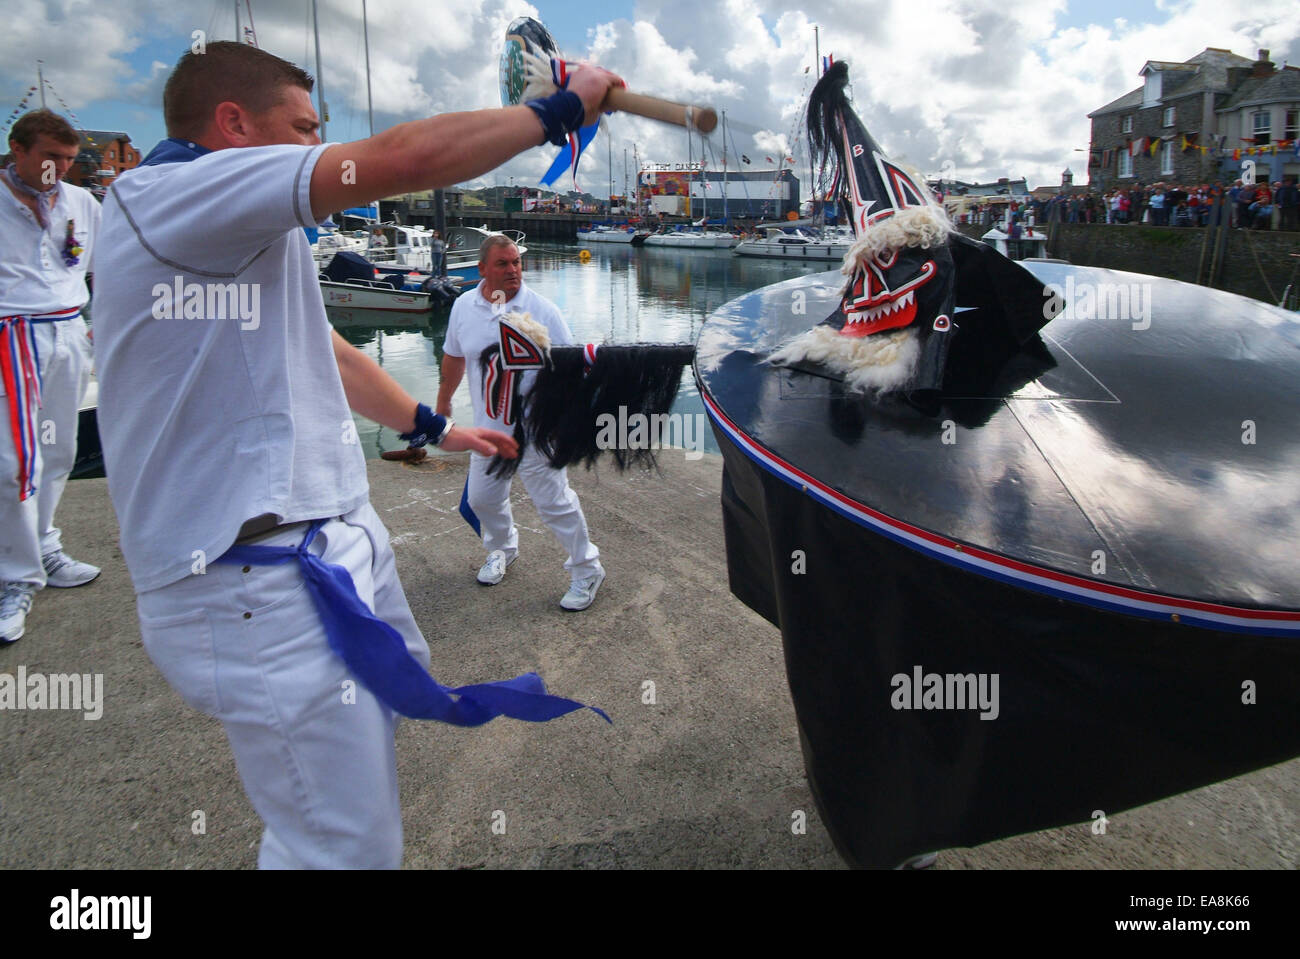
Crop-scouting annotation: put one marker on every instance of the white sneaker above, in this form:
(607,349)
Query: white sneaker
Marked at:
(63,571)
(582,592)
(494,570)
(15,604)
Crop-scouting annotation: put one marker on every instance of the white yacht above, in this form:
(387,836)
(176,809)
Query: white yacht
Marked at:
(796,244)
(606,234)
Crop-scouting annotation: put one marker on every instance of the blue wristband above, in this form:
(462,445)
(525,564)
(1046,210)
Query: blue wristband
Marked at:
(429,427)
(561,113)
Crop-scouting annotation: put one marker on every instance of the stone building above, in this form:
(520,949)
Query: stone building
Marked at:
(1180,125)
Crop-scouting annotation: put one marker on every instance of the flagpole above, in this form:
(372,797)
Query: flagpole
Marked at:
(370,103)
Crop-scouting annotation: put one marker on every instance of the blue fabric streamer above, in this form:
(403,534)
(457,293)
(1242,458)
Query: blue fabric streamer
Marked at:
(565,159)
(467,512)
(376,653)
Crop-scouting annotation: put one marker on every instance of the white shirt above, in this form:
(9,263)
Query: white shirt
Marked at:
(474,326)
(237,411)
(33,277)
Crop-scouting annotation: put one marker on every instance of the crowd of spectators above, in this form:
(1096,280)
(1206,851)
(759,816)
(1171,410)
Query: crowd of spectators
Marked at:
(1262,206)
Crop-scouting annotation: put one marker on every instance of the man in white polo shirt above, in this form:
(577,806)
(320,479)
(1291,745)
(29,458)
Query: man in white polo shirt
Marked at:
(473,327)
(47,233)
(224,410)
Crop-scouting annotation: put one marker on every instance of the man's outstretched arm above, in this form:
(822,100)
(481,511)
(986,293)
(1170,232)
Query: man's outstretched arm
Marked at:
(440,151)
(377,396)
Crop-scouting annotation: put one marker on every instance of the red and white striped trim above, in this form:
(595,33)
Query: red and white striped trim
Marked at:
(1077,589)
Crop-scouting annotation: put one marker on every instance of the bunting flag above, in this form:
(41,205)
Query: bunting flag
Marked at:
(1236,154)
(828,61)
(744,159)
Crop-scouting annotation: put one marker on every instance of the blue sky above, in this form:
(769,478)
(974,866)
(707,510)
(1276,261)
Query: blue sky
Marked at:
(990,87)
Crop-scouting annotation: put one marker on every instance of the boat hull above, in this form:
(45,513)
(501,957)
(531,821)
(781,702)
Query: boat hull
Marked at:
(360,297)
(826,252)
(606,236)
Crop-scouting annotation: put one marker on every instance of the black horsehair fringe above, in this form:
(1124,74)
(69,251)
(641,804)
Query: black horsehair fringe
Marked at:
(826,103)
(561,413)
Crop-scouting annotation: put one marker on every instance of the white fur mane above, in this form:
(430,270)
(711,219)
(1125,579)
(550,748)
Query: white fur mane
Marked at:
(923,226)
(877,364)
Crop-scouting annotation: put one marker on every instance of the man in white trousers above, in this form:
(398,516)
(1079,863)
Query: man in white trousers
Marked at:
(224,399)
(473,326)
(47,233)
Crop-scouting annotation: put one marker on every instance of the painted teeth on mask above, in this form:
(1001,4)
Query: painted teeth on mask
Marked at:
(885,309)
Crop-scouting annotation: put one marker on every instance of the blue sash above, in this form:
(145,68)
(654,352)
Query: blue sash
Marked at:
(376,653)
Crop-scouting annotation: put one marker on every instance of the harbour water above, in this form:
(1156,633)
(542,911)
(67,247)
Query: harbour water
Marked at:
(622,295)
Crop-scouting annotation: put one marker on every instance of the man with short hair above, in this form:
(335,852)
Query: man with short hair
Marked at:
(474,326)
(47,235)
(225,421)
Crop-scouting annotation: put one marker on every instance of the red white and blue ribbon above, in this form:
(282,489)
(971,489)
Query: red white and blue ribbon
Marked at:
(568,157)
(1077,589)
(20,371)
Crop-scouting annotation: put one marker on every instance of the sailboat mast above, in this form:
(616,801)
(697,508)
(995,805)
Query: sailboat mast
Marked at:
(725,220)
(40,79)
(690,170)
(239,36)
(320,77)
(370,104)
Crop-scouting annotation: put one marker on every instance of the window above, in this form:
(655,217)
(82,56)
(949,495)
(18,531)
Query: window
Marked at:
(1169,117)
(1167,158)
(1292,130)
(1262,122)
(1125,162)
(1126,124)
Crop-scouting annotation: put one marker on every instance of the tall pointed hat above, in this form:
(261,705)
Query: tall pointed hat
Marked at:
(920,298)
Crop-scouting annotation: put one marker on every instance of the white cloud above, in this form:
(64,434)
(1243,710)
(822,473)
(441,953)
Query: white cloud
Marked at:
(995,87)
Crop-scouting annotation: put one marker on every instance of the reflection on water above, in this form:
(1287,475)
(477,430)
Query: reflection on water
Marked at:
(623,295)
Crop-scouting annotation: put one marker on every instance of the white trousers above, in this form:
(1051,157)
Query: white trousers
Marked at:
(556,503)
(27,530)
(314,747)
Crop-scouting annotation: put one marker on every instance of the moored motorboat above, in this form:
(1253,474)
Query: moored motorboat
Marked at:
(606,234)
(351,281)
(1024,243)
(794,244)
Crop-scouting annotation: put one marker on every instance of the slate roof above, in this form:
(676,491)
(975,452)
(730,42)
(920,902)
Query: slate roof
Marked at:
(1207,71)
(1281,86)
